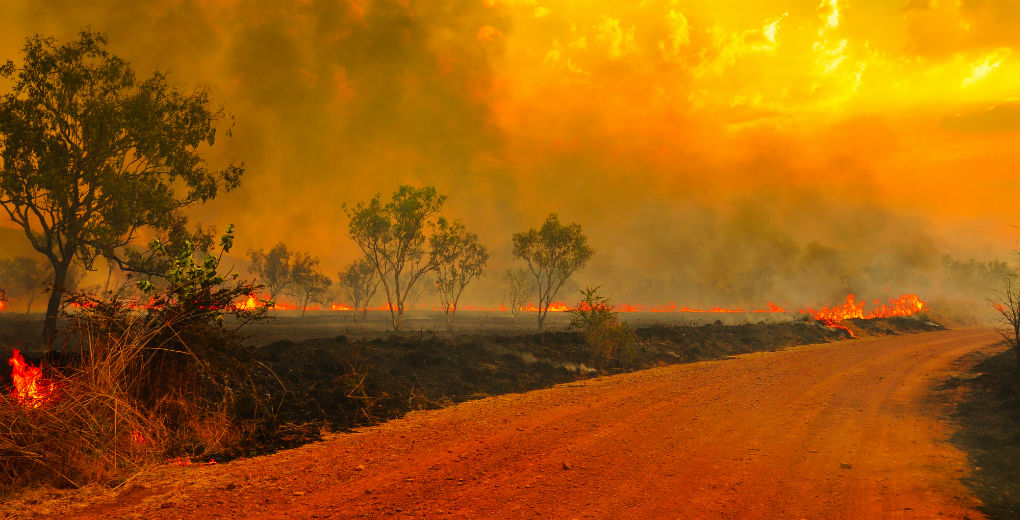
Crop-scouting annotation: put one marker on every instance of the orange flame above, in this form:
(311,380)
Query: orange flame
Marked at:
(30,389)
(137,437)
(340,307)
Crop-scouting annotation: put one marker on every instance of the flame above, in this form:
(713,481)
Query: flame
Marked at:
(137,437)
(3,304)
(179,461)
(905,305)
(340,307)
(30,389)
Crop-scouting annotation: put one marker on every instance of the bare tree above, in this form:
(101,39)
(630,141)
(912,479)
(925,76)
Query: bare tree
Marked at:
(553,253)
(465,258)
(1007,302)
(359,282)
(518,289)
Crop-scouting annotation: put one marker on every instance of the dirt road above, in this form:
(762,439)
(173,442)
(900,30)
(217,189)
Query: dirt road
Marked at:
(842,430)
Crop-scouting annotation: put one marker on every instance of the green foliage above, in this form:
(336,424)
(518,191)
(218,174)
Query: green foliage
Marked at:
(359,282)
(152,264)
(310,285)
(465,257)
(274,268)
(403,239)
(553,253)
(609,340)
(90,153)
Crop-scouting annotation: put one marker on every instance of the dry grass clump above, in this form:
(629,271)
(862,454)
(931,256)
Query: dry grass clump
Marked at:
(116,410)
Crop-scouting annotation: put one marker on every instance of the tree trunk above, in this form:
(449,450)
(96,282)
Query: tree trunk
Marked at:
(31,298)
(109,275)
(450,311)
(53,306)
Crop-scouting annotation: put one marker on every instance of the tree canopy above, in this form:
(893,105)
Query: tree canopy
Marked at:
(403,238)
(90,154)
(465,258)
(552,253)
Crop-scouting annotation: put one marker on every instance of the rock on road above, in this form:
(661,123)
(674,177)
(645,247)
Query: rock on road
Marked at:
(853,429)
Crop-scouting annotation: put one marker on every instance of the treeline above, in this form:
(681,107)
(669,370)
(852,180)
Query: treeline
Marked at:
(92,157)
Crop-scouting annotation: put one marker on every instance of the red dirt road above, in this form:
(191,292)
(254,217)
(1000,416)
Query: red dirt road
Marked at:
(844,430)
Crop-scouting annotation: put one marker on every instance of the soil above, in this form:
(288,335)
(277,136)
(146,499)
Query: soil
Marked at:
(989,431)
(851,429)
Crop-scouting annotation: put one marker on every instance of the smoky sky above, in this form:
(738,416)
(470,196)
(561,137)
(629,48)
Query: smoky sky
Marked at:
(332,101)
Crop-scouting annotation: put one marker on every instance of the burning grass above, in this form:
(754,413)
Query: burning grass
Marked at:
(106,412)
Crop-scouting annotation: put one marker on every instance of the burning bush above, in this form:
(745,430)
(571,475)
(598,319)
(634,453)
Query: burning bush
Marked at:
(149,381)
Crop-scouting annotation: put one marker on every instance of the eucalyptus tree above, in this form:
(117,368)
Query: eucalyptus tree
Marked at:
(90,154)
(552,253)
(359,282)
(403,239)
(465,258)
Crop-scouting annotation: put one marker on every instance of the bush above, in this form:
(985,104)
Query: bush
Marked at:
(148,382)
(608,339)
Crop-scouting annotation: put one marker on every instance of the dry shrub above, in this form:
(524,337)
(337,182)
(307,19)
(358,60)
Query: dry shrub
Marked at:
(94,430)
(144,384)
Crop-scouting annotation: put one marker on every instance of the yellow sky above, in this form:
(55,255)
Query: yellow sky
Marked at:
(674,131)
(924,98)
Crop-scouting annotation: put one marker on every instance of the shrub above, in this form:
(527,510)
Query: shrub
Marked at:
(609,340)
(149,381)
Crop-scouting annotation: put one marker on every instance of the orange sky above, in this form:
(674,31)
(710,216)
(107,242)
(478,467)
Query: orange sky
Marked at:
(847,123)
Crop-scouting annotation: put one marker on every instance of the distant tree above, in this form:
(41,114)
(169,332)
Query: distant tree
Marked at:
(89,154)
(400,238)
(24,277)
(359,282)
(518,289)
(553,253)
(1007,302)
(273,269)
(465,258)
(310,285)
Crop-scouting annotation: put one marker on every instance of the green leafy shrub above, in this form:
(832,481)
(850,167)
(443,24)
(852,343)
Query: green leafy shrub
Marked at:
(609,340)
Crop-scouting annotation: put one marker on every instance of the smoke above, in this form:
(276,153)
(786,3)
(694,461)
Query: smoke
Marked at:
(670,143)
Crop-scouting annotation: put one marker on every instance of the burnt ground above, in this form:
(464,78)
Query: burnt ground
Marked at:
(988,418)
(343,382)
(367,375)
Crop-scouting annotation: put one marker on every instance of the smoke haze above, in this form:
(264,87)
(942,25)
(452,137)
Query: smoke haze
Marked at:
(714,154)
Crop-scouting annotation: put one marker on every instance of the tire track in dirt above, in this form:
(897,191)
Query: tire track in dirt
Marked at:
(841,430)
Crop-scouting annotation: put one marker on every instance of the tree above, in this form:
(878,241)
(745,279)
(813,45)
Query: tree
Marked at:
(91,154)
(359,282)
(465,258)
(553,253)
(1008,305)
(274,269)
(310,284)
(401,239)
(23,277)
(518,291)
